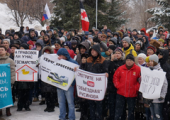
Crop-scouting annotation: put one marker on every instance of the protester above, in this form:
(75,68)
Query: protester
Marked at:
(4,58)
(127,87)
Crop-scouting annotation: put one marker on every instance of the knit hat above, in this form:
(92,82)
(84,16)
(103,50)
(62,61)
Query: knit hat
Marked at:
(127,39)
(154,58)
(13,45)
(130,56)
(139,42)
(95,39)
(68,44)
(62,39)
(152,47)
(161,40)
(142,55)
(113,40)
(58,42)
(24,45)
(73,42)
(135,30)
(147,59)
(90,36)
(84,55)
(112,47)
(119,49)
(8,40)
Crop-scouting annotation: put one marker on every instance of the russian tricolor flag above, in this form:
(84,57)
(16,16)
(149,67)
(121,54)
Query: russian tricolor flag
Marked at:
(46,14)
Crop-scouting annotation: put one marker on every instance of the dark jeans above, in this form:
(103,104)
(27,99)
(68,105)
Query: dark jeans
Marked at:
(23,98)
(148,113)
(95,110)
(156,111)
(120,105)
(112,105)
(50,99)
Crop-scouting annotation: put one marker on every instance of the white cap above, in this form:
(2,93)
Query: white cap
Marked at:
(142,55)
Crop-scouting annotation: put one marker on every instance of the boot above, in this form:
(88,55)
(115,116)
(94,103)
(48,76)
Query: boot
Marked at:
(8,113)
(1,112)
(51,110)
(46,110)
(42,103)
(27,109)
(35,100)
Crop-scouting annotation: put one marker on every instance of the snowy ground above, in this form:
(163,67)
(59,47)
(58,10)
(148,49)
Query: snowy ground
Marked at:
(36,113)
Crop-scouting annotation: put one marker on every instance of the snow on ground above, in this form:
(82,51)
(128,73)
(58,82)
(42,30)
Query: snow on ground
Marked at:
(6,21)
(36,113)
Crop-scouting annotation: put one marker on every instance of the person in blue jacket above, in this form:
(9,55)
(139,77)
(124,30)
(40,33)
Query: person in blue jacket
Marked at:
(66,95)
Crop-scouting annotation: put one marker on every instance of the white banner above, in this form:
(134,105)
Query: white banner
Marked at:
(91,86)
(151,83)
(26,61)
(59,73)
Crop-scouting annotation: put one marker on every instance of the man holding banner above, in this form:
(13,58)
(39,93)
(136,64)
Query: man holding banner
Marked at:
(66,95)
(4,58)
(96,64)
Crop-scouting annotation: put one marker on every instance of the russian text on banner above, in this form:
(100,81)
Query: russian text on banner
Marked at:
(151,83)
(26,61)
(5,86)
(91,86)
(59,73)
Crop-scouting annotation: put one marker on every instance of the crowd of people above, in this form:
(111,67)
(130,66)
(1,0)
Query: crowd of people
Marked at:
(119,55)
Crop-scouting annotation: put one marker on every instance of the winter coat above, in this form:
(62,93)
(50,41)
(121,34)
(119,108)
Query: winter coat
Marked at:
(113,66)
(166,68)
(64,52)
(126,81)
(41,43)
(164,87)
(144,30)
(53,39)
(98,65)
(140,51)
(45,87)
(5,60)
(87,46)
(130,50)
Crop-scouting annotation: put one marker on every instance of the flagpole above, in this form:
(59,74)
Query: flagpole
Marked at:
(96,13)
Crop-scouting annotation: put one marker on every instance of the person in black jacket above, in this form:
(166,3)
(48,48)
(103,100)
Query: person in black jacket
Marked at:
(163,55)
(24,92)
(96,64)
(117,60)
(47,89)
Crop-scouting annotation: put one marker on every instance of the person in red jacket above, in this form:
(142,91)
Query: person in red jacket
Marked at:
(125,80)
(144,30)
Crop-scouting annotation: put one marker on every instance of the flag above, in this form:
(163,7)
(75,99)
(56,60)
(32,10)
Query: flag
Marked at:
(46,14)
(84,18)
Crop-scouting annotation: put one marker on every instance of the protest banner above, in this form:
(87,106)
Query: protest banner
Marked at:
(59,73)
(5,86)
(26,61)
(151,83)
(91,86)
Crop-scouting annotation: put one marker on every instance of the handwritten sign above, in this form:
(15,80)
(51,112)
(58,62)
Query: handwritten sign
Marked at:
(152,82)
(26,61)
(91,86)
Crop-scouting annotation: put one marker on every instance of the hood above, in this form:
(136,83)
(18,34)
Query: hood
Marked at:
(48,48)
(144,30)
(147,41)
(4,58)
(157,67)
(40,42)
(85,44)
(96,48)
(130,48)
(72,54)
(165,56)
(64,52)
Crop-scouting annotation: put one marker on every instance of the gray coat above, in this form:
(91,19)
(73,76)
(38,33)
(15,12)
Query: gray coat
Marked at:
(5,60)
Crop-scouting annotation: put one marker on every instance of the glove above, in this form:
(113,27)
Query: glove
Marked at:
(151,68)
(160,99)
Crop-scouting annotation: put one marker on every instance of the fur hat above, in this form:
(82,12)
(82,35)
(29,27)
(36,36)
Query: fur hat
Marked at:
(120,34)
(155,43)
